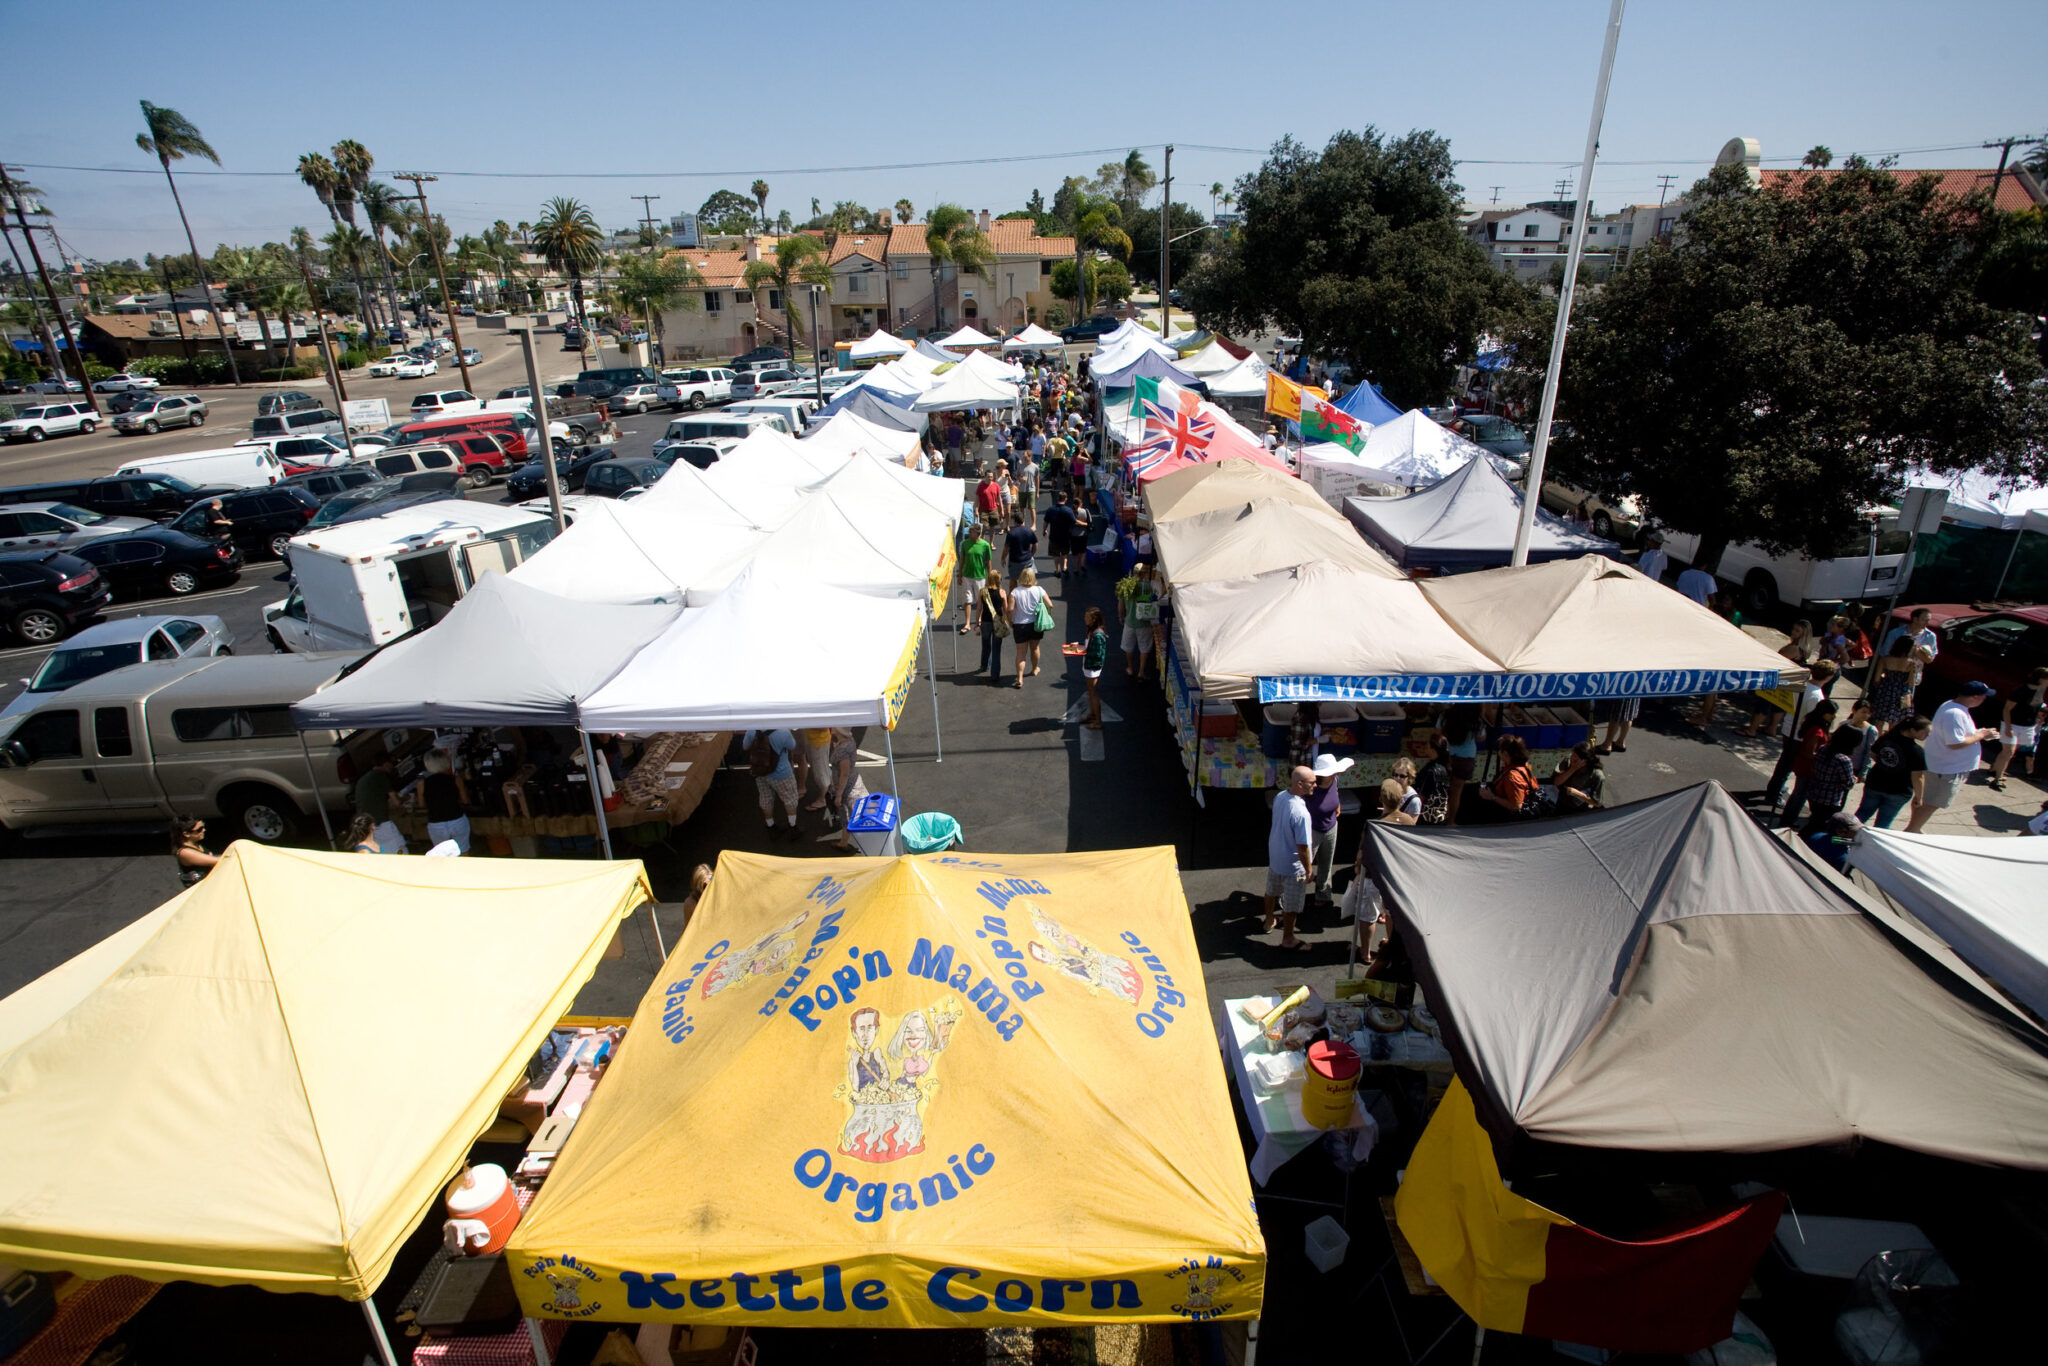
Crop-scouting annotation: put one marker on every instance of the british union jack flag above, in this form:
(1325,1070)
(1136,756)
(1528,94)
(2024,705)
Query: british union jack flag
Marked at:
(1170,434)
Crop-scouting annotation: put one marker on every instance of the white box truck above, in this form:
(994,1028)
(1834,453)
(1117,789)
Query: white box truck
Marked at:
(362,584)
(243,467)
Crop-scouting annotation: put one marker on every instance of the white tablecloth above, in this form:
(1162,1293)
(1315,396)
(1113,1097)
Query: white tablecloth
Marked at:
(1276,1118)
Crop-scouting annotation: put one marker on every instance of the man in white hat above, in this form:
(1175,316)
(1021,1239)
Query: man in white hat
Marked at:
(1323,807)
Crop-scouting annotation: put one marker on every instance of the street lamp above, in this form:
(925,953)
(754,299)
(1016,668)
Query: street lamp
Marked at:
(817,361)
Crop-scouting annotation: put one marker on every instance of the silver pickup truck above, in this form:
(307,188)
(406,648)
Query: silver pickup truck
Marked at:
(177,738)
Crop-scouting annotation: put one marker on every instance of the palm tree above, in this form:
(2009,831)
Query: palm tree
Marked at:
(349,249)
(1215,193)
(1818,159)
(1134,182)
(760,192)
(798,260)
(385,208)
(568,236)
(1098,225)
(286,297)
(951,238)
(173,137)
(658,283)
(243,271)
(815,210)
(905,211)
(317,173)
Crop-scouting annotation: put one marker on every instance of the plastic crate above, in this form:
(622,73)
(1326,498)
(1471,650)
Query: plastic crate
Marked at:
(1326,1242)
(1380,727)
(1572,727)
(1548,729)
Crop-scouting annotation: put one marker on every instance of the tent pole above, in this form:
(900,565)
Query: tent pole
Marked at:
(889,739)
(2005,572)
(377,1332)
(314,783)
(604,827)
(540,1346)
(932,678)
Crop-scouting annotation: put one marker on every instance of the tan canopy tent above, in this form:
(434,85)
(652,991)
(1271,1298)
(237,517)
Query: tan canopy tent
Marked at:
(1596,615)
(1227,483)
(1315,619)
(268,1080)
(1666,977)
(1251,538)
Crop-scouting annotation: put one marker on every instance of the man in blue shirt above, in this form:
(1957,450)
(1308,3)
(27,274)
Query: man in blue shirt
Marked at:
(1288,859)
(768,754)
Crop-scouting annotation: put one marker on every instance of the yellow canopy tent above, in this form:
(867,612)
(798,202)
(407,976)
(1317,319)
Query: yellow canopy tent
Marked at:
(919,1092)
(267,1080)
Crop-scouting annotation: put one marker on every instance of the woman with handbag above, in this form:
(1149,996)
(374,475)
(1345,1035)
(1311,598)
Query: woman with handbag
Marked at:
(1030,619)
(995,623)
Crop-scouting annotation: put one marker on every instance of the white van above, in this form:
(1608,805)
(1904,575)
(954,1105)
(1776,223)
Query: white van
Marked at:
(242,467)
(1869,567)
(738,426)
(794,410)
(363,584)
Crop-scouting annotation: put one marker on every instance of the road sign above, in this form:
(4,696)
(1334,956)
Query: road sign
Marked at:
(361,413)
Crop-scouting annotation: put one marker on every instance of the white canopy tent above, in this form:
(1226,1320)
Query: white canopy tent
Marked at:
(635,551)
(692,493)
(847,545)
(1035,338)
(1412,451)
(1210,360)
(774,650)
(965,387)
(1984,897)
(935,354)
(992,367)
(847,432)
(967,336)
(1246,379)
(1116,355)
(1979,499)
(1137,363)
(876,347)
(870,486)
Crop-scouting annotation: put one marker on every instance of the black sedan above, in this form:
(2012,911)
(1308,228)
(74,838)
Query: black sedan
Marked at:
(325,484)
(161,560)
(531,479)
(624,478)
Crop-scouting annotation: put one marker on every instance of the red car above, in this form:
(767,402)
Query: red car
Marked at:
(2000,647)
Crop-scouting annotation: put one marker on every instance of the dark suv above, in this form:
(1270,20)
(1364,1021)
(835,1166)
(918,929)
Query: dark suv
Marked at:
(43,596)
(291,401)
(1088,329)
(325,484)
(265,520)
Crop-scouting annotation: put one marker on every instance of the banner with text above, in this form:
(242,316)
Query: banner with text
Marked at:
(1556,687)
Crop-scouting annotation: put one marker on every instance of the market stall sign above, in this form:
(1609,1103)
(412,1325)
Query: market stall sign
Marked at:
(1554,687)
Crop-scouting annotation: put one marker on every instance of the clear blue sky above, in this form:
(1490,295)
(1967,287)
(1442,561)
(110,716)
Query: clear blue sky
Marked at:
(662,92)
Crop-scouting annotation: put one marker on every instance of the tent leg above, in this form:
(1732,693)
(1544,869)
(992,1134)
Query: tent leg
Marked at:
(604,828)
(540,1346)
(890,740)
(1251,1343)
(933,679)
(377,1332)
(312,782)
(2017,537)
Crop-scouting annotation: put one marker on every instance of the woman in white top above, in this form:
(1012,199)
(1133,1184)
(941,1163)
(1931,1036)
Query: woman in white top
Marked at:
(1025,598)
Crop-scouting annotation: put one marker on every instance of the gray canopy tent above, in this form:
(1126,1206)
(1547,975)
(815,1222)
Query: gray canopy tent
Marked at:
(507,655)
(1666,977)
(1465,520)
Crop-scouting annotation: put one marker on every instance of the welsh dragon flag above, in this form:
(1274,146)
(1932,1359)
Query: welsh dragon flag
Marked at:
(1322,420)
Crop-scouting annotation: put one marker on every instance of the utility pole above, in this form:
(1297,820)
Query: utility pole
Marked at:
(646,215)
(542,422)
(35,305)
(71,347)
(419,185)
(1532,485)
(2004,146)
(1496,192)
(1564,187)
(1664,188)
(1165,233)
(647,221)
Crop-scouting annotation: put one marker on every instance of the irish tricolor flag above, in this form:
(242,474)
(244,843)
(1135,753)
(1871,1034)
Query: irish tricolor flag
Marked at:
(1322,420)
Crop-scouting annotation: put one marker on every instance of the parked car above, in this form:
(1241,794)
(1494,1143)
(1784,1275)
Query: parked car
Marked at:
(299,422)
(115,645)
(635,398)
(472,356)
(263,521)
(703,453)
(763,383)
(57,386)
(158,497)
(1871,565)
(122,383)
(386,367)
(47,420)
(175,738)
(760,353)
(572,340)
(338,505)
(514,391)
(420,458)
(324,484)
(155,413)
(1088,329)
(1621,520)
(116,404)
(1978,646)
(445,403)
(160,560)
(694,389)
(250,466)
(1495,433)
(480,457)
(58,526)
(44,595)
(404,496)
(301,453)
(289,401)
(414,367)
(531,480)
(623,478)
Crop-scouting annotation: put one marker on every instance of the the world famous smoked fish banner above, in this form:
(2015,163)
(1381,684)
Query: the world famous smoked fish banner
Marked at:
(933,1091)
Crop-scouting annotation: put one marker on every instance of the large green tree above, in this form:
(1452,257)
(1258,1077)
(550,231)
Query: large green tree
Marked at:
(1357,250)
(1186,224)
(1778,366)
(1097,225)
(568,237)
(726,211)
(952,239)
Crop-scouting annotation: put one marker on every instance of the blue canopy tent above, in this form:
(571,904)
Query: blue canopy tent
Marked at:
(1366,403)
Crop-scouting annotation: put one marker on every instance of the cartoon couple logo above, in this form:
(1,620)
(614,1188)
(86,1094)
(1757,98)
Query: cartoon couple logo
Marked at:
(769,956)
(888,1089)
(1069,954)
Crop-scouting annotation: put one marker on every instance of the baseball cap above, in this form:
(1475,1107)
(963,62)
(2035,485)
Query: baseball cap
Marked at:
(1973,686)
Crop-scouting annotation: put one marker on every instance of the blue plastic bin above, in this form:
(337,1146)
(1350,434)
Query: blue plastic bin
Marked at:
(873,826)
